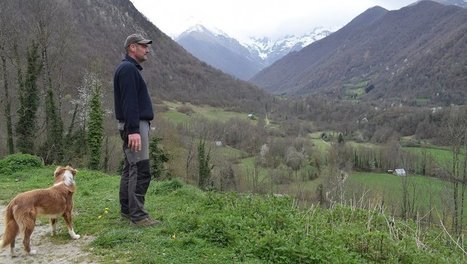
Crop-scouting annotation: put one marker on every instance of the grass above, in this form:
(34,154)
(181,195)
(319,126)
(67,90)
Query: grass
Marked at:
(421,189)
(208,112)
(442,156)
(247,167)
(210,227)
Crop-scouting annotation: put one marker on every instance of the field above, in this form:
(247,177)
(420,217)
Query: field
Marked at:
(208,112)
(424,193)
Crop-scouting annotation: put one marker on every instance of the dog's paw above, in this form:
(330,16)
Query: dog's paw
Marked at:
(13,253)
(33,252)
(73,235)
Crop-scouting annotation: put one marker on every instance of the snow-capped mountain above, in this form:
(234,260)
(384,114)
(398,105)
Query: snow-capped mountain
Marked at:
(242,60)
(460,3)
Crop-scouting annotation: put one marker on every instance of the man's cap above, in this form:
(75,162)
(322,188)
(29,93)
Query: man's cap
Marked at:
(136,38)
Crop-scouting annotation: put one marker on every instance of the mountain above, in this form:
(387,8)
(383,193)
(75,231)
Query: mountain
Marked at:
(417,54)
(88,36)
(241,60)
(460,3)
(270,51)
(221,51)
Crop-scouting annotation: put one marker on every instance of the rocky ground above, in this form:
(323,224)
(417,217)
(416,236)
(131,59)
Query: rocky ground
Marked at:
(49,250)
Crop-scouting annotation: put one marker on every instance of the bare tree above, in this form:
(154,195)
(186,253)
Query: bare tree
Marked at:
(456,136)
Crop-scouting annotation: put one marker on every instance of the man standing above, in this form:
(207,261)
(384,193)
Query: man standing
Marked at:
(133,110)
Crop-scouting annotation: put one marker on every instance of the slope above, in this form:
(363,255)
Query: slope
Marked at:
(94,32)
(415,53)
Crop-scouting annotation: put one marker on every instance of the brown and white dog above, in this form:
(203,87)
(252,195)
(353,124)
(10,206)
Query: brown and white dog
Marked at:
(22,211)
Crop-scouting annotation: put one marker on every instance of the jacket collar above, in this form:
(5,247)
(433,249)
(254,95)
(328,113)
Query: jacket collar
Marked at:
(130,59)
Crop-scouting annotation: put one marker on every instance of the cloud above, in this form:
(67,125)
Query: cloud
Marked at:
(243,18)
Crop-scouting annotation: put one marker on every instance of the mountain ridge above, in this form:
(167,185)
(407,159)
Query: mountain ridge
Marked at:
(87,26)
(241,59)
(380,54)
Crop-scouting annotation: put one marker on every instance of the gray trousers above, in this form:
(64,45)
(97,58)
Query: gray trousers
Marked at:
(136,175)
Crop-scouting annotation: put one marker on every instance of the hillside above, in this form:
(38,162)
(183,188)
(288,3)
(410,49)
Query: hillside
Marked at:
(242,60)
(89,35)
(214,227)
(417,53)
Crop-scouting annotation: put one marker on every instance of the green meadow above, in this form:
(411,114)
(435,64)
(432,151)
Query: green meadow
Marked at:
(208,112)
(424,193)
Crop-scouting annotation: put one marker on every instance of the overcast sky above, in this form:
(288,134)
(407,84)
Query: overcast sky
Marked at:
(259,18)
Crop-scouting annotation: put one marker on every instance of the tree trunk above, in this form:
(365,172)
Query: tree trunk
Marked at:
(9,123)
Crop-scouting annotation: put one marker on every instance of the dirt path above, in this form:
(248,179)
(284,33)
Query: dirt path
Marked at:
(48,251)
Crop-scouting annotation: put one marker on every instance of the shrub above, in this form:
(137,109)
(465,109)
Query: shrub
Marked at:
(168,186)
(17,162)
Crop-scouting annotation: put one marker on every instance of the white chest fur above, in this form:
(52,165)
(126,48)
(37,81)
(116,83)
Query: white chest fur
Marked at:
(68,178)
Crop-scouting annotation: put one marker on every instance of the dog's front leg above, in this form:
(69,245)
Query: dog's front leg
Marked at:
(12,249)
(53,225)
(69,225)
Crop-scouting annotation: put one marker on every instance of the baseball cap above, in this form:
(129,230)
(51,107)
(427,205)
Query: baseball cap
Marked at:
(136,38)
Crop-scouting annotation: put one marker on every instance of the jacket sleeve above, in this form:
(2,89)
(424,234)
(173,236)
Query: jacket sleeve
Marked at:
(128,88)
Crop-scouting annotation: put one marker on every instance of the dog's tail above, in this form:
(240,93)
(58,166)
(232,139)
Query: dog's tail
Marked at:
(11,227)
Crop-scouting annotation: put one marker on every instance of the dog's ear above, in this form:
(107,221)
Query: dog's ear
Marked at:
(57,171)
(73,170)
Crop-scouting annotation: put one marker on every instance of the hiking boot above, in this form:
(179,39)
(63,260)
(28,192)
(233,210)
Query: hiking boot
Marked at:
(146,222)
(125,216)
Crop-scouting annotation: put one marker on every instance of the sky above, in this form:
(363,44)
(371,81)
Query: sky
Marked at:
(242,19)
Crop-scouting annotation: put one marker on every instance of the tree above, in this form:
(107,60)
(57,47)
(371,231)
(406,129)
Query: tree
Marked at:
(4,26)
(95,128)
(456,138)
(336,173)
(53,146)
(227,177)
(158,158)
(204,166)
(29,101)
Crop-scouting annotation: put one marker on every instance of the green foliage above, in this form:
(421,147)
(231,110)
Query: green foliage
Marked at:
(168,186)
(17,162)
(204,166)
(158,157)
(210,227)
(52,151)
(95,128)
(117,237)
(28,102)
(214,230)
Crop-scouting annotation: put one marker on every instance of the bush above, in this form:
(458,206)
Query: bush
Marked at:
(168,186)
(17,162)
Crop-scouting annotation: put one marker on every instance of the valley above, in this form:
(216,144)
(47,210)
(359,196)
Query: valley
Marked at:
(245,169)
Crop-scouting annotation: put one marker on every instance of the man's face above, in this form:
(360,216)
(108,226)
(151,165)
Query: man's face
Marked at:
(139,52)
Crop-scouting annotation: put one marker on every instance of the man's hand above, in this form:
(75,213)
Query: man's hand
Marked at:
(134,142)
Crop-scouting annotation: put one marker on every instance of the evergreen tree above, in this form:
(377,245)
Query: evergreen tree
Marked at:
(204,169)
(53,146)
(95,128)
(158,157)
(28,102)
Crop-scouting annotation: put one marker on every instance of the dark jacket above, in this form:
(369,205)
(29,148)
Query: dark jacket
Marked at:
(131,96)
